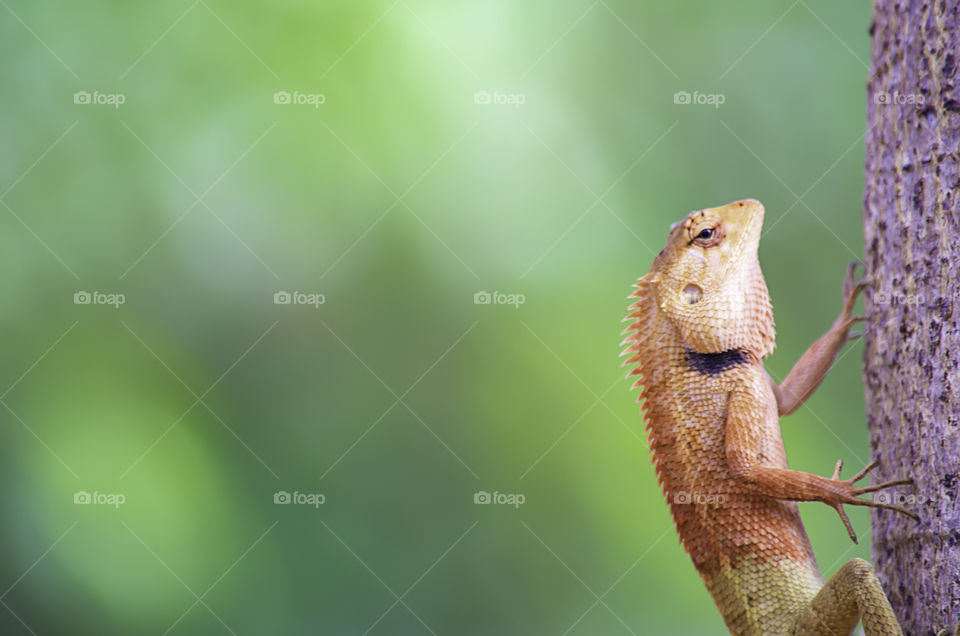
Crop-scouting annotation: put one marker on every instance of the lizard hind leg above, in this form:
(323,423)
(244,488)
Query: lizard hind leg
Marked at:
(851,595)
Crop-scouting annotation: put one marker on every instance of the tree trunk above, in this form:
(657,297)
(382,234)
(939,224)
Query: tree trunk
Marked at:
(912,349)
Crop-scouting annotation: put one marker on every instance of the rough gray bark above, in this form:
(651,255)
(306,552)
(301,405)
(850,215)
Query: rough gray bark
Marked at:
(912,349)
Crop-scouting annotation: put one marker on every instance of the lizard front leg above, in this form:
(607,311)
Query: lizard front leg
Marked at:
(851,595)
(809,371)
(744,441)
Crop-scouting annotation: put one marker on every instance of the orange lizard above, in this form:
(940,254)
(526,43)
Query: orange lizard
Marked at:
(701,325)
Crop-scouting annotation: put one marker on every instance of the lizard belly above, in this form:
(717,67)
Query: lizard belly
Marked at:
(763,597)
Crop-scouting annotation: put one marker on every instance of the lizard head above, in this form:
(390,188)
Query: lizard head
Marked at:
(707,281)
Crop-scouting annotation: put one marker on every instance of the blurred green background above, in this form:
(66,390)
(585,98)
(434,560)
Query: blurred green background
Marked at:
(398,198)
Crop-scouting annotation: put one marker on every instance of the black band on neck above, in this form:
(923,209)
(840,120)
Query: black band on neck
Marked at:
(714,363)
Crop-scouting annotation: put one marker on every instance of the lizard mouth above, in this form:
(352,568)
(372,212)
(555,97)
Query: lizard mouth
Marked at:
(748,215)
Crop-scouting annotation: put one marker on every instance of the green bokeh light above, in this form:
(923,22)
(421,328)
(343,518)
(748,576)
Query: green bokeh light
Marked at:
(398,198)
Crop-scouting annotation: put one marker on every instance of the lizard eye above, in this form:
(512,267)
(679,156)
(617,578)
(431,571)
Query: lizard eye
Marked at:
(707,237)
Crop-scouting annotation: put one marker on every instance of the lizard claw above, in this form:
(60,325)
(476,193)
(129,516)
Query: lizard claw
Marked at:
(851,281)
(850,278)
(846,522)
(839,508)
(852,320)
(849,494)
(852,286)
(837,469)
